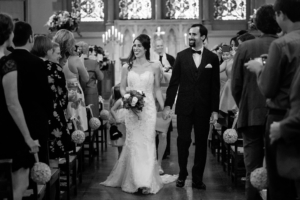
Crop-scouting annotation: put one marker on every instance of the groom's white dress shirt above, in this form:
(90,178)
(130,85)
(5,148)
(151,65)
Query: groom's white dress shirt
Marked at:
(198,57)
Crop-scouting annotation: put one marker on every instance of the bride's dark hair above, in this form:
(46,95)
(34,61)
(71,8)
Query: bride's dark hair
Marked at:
(146,43)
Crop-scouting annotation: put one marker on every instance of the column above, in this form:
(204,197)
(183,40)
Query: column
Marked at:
(201,10)
(110,13)
(205,10)
(157,9)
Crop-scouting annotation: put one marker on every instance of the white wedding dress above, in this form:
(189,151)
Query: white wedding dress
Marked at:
(137,166)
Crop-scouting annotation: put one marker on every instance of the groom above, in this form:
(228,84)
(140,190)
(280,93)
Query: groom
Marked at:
(196,76)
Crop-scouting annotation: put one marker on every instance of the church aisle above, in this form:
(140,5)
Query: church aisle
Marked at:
(219,186)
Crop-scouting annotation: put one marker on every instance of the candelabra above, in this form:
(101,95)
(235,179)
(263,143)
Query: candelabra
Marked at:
(114,37)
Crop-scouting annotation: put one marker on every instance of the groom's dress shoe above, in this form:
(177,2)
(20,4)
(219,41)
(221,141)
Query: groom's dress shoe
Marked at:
(180,183)
(200,186)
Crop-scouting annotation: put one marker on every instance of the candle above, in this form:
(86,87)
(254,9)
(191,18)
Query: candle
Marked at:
(119,36)
(103,38)
(108,33)
(106,36)
(112,30)
(116,33)
(133,36)
(121,40)
(185,39)
(158,29)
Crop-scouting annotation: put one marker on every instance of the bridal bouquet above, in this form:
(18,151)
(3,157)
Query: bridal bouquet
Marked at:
(134,100)
(64,20)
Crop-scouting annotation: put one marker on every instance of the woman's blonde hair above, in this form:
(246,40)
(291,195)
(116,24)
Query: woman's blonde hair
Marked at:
(66,41)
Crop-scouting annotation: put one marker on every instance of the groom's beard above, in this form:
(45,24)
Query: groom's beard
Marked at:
(192,43)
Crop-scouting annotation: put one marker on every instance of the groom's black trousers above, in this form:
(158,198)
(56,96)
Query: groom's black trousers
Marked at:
(185,123)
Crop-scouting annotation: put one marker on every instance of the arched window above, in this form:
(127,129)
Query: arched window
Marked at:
(230,10)
(182,9)
(135,9)
(90,10)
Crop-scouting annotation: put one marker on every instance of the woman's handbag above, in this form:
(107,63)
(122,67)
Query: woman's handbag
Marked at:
(161,124)
(288,160)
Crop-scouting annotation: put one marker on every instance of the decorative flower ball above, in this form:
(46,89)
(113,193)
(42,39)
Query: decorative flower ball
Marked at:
(78,136)
(259,178)
(94,123)
(40,173)
(104,114)
(230,136)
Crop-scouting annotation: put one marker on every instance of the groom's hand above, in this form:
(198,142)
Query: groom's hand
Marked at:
(166,112)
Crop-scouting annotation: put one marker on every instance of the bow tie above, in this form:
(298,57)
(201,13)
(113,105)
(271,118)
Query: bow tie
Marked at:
(198,52)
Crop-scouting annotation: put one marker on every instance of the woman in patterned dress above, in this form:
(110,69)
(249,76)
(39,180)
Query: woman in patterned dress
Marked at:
(59,133)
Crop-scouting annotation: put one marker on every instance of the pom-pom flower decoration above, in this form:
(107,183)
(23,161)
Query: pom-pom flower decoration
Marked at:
(259,178)
(78,136)
(104,114)
(94,123)
(251,23)
(64,20)
(40,172)
(230,136)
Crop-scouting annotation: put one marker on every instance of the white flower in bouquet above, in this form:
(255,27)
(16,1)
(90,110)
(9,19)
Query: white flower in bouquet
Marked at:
(230,136)
(139,91)
(259,178)
(78,137)
(94,123)
(40,173)
(126,96)
(134,101)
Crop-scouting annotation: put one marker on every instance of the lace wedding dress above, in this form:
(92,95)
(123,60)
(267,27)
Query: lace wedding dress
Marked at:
(137,166)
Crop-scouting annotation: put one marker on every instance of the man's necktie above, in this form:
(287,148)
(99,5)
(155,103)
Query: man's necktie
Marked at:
(160,59)
(198,52)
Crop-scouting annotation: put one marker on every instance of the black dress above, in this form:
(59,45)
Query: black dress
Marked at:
(58,124)
(33,93)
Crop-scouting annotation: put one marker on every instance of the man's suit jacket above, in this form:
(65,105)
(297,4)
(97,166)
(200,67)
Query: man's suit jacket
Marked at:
(171,60)
(290,126)
(199,88)
(245,91)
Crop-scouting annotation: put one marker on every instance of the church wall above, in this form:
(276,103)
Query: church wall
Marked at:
(38,14)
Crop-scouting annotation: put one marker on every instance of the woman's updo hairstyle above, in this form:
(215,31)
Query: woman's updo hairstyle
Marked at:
(146,43)
(6,27)
(66,41)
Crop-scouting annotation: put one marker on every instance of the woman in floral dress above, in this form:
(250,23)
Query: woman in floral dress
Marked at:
(59,132)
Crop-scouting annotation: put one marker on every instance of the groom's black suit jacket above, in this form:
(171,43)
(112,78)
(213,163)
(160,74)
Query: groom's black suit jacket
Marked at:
(199,88)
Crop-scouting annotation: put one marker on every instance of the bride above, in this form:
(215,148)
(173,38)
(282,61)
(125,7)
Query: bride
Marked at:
(137,167)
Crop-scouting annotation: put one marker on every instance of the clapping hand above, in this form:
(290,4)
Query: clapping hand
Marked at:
(33,145)
(255,65)
(274,132)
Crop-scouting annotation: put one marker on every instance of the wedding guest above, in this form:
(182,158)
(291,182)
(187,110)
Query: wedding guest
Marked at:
(90,88)
(227,102)
(288,131)
(49,52)
(167,61)
(251,103)
(274,80)
(118,113)
(73,70)
(245,37)
(23,111)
